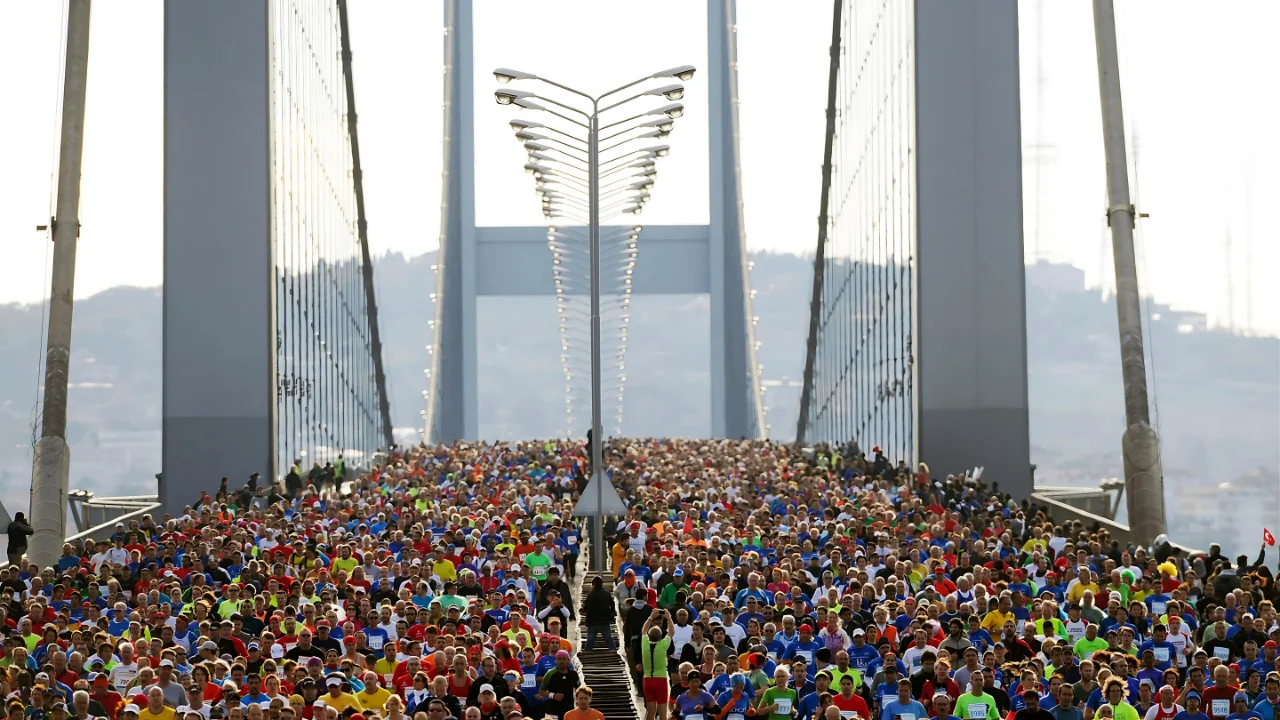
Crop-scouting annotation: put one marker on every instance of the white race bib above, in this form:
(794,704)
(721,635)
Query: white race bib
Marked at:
(977,711)
(572,540)
(1220,708)
(123,679)
(784,707)
(694,716)
(375,641)
(530,680)
(907,716)
(1222,652)
(1158,607)
(848,714)
(806,655)
(735,716)
(1162,654)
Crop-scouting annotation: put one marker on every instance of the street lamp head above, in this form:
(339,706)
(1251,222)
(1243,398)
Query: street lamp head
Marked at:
(663,124)
(506,75)
(525,136)
(673,111)
(683,73)
(521,124)
(670,92)
(504,97)
(536,147)
(659,150)
(528,104)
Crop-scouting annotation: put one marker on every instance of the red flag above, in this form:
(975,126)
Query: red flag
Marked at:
(1268,538)
(688,526)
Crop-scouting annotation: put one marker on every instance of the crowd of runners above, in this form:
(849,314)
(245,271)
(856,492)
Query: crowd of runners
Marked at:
(749,579)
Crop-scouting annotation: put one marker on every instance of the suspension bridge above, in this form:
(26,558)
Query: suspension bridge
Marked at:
(272,355)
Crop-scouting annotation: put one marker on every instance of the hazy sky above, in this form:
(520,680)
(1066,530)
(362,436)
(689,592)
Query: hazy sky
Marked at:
(1199,91)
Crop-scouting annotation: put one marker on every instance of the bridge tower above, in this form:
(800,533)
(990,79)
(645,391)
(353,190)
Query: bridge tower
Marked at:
(709,259)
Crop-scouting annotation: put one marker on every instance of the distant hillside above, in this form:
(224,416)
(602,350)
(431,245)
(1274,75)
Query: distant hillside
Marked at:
(1216,395)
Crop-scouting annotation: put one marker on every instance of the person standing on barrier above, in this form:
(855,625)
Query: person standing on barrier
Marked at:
(19,530)
(598,614)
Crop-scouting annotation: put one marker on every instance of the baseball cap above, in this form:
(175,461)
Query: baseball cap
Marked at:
(333,680)
(486,688)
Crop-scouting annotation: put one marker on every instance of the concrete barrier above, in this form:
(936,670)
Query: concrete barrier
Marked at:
(1063,512)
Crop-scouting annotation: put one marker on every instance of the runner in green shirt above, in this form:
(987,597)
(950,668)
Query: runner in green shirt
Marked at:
(538,562)
(1115,692)
(667,597)
(976,704)
(655,645)
(1086,646)
(779,701)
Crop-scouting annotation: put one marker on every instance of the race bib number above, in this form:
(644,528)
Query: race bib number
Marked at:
(375,641)
(907,716)
(735,716)
(848,714)
(530,680)
(1220,708)
(1074,635)
(572,540)
(1222,653)
(123,680)
(977,711)
(1158,607)
(784,707)
(386,677)
(1162,654)
(693,716)
(806,655)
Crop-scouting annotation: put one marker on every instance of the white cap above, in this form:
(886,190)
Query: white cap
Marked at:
(486,688)
(166,663)
(131,708)
(859,631)
(333,680)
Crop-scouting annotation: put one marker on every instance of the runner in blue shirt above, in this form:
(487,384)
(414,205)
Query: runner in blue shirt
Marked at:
(902,706)
(1268,706)
(1192,702)
(737,699)
(1240,708)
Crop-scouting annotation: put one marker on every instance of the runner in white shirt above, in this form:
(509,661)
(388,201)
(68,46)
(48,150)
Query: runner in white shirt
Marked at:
(1181,640)
(124,672)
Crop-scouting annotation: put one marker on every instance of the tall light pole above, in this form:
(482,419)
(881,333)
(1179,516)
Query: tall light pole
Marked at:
(1140,447)
(52,462)
(595,503)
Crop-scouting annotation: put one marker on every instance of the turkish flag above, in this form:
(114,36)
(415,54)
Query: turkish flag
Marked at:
(688,526)
(1268,538)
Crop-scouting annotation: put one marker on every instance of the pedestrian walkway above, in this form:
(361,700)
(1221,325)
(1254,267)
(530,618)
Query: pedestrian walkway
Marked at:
(605,672)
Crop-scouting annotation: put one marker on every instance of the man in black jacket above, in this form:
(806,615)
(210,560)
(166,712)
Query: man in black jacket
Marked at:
(556,584)
(598,614)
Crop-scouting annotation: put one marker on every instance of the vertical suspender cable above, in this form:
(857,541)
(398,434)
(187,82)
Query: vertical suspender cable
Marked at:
(366,262)
(819,259)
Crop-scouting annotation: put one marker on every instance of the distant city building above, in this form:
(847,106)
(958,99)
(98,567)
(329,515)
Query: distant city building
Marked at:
(1231,514)
(1055,277)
